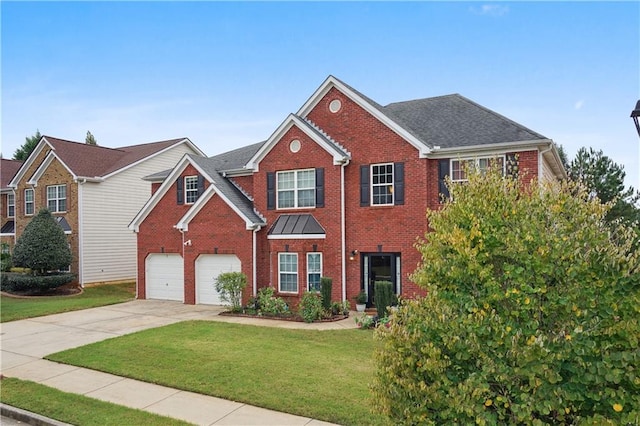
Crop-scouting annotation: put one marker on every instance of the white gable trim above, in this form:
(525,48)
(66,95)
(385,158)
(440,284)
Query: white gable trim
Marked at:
(185,141)
(30,160)
(43,167)
(285,126)
(332,82)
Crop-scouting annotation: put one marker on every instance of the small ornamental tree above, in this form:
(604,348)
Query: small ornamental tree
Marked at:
(230,286)
(43,246)
(532,313)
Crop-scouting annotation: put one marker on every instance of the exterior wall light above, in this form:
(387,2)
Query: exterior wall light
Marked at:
(352,255)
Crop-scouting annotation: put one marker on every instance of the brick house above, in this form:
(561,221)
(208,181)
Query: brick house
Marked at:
(93,192)
(340,189)
(8,169)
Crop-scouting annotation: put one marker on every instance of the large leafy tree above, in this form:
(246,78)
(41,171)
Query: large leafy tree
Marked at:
(42,246)
(27,147)
(605,179)
(532,313)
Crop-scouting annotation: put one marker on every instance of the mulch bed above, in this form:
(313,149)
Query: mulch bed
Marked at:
(294,318)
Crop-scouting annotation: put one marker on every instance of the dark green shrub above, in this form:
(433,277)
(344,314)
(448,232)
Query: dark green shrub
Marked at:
(42,246)
(310,307)
(325,289)
(230,286)
(383,291)
(5,258)
(27,283)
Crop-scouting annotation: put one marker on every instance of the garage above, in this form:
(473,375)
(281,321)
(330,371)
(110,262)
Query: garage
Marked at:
(164,274)
(208,267)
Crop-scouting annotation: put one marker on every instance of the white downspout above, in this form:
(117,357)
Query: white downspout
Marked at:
(254,268)
(540,154)
(81,233)
(343,232)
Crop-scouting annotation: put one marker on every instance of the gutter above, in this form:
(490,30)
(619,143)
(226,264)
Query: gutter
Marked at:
(343,230)
(254,267)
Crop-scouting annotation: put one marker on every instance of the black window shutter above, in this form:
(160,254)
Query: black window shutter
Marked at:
(443,171)
(271,190)
(398,184)
(319,187)
(200,185)
(364,186)
(180,191)
(512,166)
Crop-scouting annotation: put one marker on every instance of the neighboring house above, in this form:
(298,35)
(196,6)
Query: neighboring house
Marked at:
(8,169)
(93,192)
(340,189)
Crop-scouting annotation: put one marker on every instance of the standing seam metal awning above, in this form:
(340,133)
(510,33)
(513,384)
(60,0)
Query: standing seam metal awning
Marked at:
(296,225)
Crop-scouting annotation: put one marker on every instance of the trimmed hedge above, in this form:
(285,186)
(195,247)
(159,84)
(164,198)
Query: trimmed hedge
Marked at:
(383,291)
(326,284)
(13,282)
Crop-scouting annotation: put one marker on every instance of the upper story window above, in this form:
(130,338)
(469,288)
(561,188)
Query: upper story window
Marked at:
(11,205)
(57,198)
(461,167)
(29,206)
(190,189)
(382,184)
(296,189)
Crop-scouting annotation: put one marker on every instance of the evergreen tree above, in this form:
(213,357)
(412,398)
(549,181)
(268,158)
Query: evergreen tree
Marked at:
(90,140)
(27,147)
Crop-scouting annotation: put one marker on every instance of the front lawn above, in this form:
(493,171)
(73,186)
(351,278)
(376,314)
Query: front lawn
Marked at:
(75,409)
(318,374)
(20,308)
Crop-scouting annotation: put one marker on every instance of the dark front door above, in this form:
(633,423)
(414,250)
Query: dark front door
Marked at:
(379,267)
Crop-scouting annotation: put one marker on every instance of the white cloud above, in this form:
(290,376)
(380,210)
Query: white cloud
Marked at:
(579,104)
(490,10)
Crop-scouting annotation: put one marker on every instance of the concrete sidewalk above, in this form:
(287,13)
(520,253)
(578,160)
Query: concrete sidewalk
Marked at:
(25,342)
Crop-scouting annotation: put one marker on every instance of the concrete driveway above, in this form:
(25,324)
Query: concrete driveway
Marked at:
(25,342)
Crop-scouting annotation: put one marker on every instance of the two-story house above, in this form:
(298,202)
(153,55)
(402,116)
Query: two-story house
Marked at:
(8,169)
(93,192)
(340,189)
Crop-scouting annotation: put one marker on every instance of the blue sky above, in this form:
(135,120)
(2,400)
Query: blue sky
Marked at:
(226,74)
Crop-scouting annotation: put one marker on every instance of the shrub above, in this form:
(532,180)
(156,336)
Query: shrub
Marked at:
(13,282)
(310,307)
(42,246)
(383,291)
(340,308)
(270,304)
(532,313)
(5,258)
(325,289)
(230,286)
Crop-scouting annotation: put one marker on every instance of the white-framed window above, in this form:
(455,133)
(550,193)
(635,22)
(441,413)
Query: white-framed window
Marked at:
(11,205)
(314,271)
(460,167)
(382,184)
(57,198)
(296,189)
(288,272)
(190,189)
(29,206)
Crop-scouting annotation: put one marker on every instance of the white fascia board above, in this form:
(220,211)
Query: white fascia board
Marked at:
(183,223)
(297,237)
(284,127)
(155,198)
(555,158)
(331,81)
(33,180)
(250,225)
(155,154)
(27,164)
(489,148)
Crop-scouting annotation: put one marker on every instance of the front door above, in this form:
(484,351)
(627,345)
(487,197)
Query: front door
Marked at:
(380,267)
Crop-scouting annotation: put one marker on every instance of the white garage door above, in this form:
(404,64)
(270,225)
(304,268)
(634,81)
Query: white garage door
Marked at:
(165,276)
(208,267)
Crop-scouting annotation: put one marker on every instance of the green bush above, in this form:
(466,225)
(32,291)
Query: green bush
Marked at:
(325,289)
(532,313)
(230,286)
(13,282)
(5,258)
(383,291)
(310,307)
(42,246)
(270,304)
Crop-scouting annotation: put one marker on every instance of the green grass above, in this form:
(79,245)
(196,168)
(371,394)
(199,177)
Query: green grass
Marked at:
(74,409)
(318,374)
(12,309)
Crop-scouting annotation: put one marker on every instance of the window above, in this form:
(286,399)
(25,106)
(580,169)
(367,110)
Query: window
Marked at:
(11,205)
(314,271)
(190,189)
(382,184)
(296,189)
(57,198)
(459,168)
(288,272)
(28,202)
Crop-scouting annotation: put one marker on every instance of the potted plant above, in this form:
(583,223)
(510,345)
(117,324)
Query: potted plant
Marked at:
(361,301)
